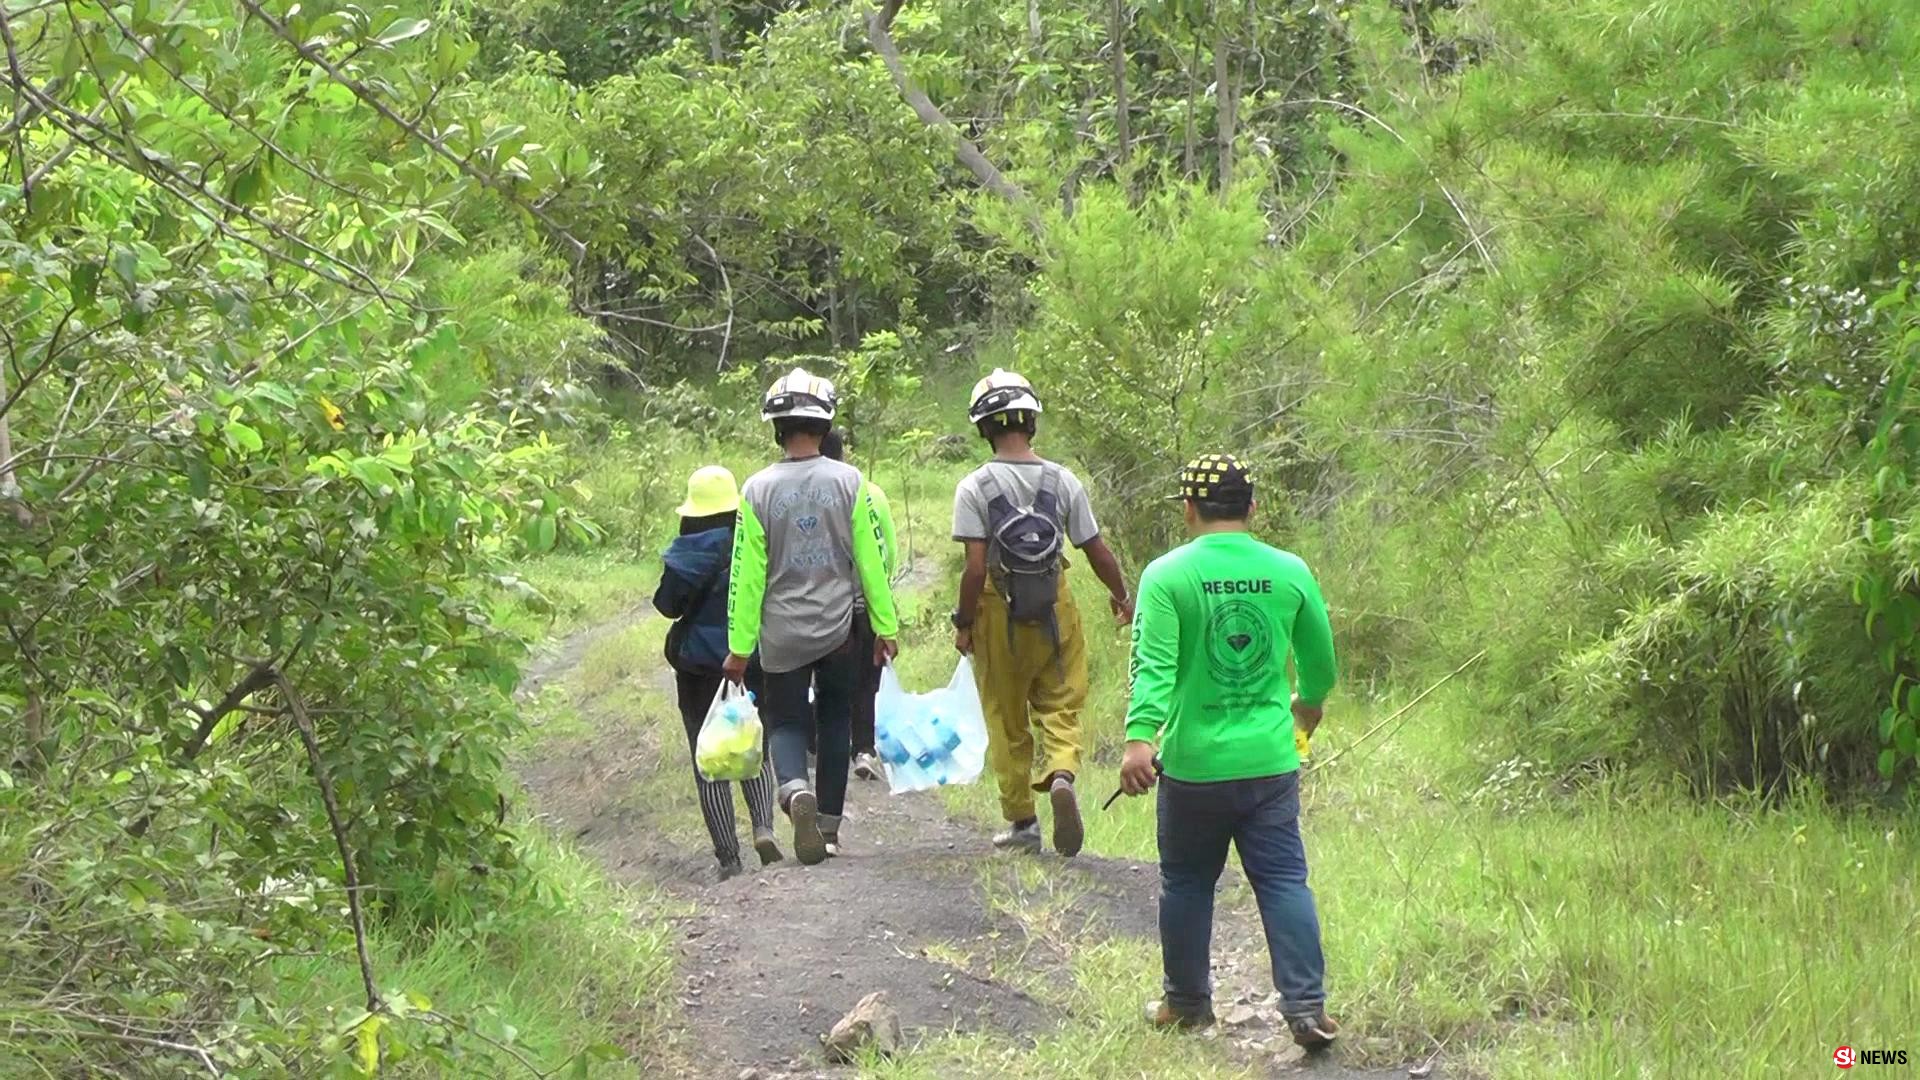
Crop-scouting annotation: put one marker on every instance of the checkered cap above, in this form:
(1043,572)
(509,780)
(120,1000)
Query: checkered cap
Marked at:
(1216,478)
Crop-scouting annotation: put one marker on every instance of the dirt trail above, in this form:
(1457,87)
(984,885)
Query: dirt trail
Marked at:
(770,959)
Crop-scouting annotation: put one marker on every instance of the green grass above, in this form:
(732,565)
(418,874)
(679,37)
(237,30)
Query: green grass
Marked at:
(562,961)
(584,590)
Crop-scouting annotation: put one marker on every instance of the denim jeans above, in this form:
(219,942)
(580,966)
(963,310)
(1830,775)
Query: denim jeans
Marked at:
(790,719)
(1261,818)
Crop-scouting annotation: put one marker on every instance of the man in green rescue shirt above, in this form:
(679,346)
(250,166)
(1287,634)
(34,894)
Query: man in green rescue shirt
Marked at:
(1216,621)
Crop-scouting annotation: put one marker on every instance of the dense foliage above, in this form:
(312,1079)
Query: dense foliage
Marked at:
(1576,332)
(255,479)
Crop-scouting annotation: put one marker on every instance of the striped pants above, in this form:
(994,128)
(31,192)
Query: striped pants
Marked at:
(716,797)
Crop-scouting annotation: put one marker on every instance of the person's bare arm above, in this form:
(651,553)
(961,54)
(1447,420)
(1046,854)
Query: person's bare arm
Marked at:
(973,580)
(1107,568)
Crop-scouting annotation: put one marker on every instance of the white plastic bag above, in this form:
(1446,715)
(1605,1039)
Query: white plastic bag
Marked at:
(729,744)
(931,739)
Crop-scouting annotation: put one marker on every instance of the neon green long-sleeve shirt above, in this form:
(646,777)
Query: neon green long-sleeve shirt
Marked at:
(889,539)
(807,533)
(1215,621)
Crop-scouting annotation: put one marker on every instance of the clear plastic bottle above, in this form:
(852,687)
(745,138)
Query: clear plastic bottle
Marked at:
(891,750)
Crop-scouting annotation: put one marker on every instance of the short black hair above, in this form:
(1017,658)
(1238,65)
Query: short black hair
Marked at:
(1211,510)
(786,427)
(1021,420)
(835,444)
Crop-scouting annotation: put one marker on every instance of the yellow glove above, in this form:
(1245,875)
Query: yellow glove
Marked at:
(1300,742)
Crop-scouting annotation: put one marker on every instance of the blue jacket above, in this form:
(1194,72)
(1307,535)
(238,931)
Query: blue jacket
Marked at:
(693,591)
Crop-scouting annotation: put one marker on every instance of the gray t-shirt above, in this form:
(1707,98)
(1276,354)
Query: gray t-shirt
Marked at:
(1021,482)
(805,509)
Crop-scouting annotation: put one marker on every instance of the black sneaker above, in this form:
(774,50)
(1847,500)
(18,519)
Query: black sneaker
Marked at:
(1315,1031)
(729,869)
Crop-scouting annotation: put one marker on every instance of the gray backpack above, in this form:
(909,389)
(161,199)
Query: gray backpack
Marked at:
(1025,547)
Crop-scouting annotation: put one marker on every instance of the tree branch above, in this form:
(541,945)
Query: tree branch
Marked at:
(305,723)
(880,35)
(258,678)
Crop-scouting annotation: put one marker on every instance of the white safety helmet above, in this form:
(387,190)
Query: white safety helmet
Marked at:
(799,395)
(1002,392)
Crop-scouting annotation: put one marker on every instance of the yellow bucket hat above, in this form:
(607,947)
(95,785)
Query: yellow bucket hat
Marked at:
(710,490)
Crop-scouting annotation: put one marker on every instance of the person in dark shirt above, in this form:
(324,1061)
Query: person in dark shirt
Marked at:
(693,592)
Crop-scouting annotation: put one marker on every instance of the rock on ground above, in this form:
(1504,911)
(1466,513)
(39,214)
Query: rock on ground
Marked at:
(872,1023)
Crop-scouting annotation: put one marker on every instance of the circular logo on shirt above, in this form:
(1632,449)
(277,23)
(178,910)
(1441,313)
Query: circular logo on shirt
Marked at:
(1239,642)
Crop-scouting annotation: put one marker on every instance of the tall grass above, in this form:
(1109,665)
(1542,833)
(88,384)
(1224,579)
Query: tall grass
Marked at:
(557,963)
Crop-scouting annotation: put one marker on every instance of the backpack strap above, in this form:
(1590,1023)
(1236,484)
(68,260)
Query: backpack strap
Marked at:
(996,493)
(1046,498)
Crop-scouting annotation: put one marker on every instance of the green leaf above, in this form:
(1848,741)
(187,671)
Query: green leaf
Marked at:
(544,533)
(367,1046)
(1886,763)
(249,184)
(402,30)
(502,133)
(244,437)
(1887,719)
(374,475)
(1905,739)
(126,266)
(83,284)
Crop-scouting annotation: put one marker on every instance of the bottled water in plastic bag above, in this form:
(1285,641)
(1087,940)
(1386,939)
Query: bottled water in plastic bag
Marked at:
(931,739)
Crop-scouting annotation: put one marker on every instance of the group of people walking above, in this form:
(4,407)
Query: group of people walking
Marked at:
(784,586)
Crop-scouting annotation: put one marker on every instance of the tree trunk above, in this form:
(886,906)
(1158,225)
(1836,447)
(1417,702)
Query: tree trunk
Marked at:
(879,34)
(1034,37)
(1187,162)
(1226,107)
(9,486)
(1117,44)
(716,44)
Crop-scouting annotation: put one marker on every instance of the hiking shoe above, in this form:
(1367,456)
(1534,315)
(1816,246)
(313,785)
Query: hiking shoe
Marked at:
(808,845)
(830,833)
(1023,836)
(767,845)
(1068,832)
(1315,1031)
(729,869)
(866,766)
(1167,1018)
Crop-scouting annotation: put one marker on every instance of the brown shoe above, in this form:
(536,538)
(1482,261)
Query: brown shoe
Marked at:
(1167,1018)
(1068,832)
(1315,1031)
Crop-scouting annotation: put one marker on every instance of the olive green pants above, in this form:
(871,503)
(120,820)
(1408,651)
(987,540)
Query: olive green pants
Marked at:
(1028,694)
